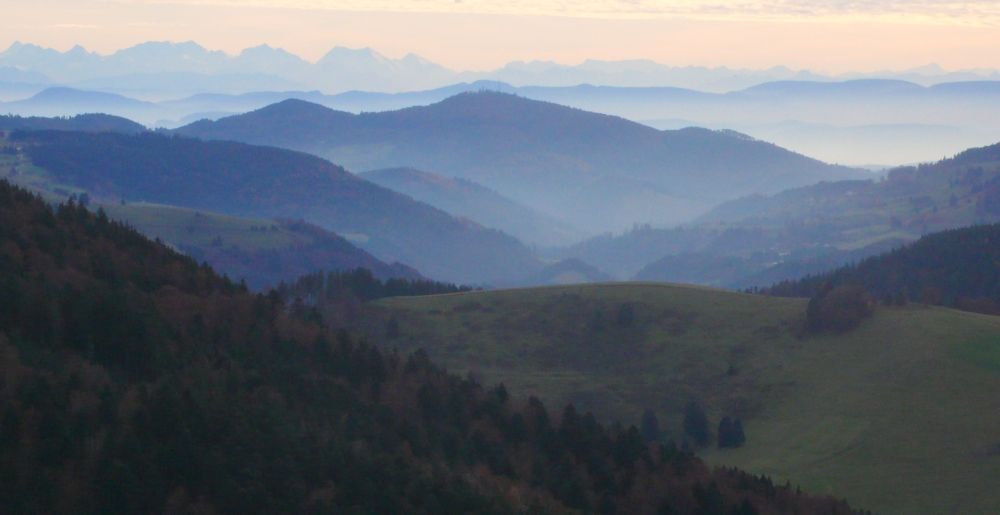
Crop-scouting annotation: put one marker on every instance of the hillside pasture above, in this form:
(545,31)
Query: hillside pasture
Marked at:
(898,416)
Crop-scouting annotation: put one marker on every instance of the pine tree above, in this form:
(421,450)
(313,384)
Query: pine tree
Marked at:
(650,426)
(726,433)
(739,437)
(696,424)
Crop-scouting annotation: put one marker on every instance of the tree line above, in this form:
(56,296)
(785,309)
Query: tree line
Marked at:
(958,268)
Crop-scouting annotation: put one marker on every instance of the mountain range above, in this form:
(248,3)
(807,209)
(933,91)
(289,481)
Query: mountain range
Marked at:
(860,122)
(594,171)
(154,69)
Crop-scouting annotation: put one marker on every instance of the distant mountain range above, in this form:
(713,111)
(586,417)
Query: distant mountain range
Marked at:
(264,183)
(594,171)
(155,69)
(859,122)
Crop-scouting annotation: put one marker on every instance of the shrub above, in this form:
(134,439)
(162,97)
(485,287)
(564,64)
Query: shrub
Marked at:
(838,309)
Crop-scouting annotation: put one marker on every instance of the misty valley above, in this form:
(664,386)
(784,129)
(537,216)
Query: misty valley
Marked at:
(417,293)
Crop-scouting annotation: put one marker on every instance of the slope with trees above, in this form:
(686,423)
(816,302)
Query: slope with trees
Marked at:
(761,240)
(960,267)
(261,252)
(137,381)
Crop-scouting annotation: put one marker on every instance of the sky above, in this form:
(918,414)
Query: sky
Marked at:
(820,35)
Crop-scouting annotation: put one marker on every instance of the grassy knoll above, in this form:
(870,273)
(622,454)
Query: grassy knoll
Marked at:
(898,416)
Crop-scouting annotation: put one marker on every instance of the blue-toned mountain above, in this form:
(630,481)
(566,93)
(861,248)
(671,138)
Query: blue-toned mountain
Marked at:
(595,171)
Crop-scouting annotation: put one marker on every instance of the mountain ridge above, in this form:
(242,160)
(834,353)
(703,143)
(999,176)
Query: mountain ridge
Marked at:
(365,68)
(538,153)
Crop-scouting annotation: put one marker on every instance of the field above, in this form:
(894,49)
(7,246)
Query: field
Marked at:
(899,416)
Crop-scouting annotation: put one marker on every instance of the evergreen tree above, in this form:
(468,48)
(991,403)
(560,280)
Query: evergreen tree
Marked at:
(739,437)
(725,433)
(696,424)
(650,427)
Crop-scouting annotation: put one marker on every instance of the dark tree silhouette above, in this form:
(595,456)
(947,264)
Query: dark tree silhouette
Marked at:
(650,426)
(696,424)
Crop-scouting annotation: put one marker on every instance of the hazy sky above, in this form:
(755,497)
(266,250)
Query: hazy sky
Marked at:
(832,36)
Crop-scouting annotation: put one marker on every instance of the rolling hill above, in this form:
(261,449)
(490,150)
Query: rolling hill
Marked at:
(595,171)
(567,271)
(464,198)
(265,183)
(893,415)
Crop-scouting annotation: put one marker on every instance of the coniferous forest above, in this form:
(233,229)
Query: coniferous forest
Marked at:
(958,267)
(138,381)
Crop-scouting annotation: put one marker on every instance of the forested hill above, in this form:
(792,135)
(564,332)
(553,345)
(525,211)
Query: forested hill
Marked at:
(960,267)
(263,182)
(83,122)
(595,171)
(310,249)
(138,382)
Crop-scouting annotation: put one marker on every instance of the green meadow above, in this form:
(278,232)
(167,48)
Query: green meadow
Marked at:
(899,416)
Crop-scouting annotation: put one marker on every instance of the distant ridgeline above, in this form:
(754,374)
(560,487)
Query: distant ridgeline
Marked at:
(136,381)
(959,267)
(83,122)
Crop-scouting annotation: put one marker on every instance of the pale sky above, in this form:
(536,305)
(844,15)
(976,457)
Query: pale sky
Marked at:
(828,36)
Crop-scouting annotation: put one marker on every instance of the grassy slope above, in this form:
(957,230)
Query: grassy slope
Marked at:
(182,226)
(879,415)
